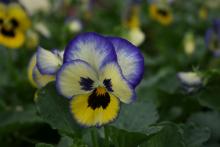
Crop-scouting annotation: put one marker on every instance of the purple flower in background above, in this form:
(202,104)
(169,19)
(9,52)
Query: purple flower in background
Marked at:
(212,38)
(4,1)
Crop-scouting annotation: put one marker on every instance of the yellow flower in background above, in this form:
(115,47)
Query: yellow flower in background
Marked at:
(161,13)
(189,43)
(134,34)
(133,20)
(14,23)
(203,13)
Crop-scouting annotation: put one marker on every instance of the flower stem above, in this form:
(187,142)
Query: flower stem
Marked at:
(106,136)
(94,136)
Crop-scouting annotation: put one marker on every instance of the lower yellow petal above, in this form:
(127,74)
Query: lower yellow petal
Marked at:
(87,116)
(13,42)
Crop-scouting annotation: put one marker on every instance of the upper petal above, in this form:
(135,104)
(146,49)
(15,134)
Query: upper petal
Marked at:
(76,77)
(15,11)
(117,84)
(48,62)
(92,48)
(130,60)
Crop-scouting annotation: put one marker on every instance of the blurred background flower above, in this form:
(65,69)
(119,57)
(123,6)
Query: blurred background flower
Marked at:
(212,38)
(14,22)
(161,12)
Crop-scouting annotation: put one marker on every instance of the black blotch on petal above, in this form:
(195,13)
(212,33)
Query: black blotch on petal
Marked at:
(162,12)
(108,84)
(98,100)
(14,23)
(1,21)
(86,83)
(8,33)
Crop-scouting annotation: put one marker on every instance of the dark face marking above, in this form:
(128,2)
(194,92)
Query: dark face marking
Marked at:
(86,83)
(8,33)
(97,100)
(14,23)
(1,21)
(108,84)
(162,12)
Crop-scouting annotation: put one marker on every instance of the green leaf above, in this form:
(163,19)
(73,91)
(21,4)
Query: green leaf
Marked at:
(209,96)
(195,135)
(43,145)
(136,117)
(208,119)
(123,138)
(14,119)
(132,126)
(54,109)
(71,142)
(170,135)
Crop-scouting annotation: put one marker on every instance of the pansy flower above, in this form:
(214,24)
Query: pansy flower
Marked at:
(14,23)
(43,66)
(97,74)
(161,13)
(212,38)
(132,21)
(191,81)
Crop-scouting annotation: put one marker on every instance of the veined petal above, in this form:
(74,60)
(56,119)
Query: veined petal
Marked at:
(48,62)
(40,79)
(118,84)
(30,69)
(130,60)
(92,48)
(76,77)
(87,116)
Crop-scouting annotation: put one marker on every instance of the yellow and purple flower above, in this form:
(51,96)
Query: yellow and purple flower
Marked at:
(43,66)
(97,73)
(212,38)
(14,23)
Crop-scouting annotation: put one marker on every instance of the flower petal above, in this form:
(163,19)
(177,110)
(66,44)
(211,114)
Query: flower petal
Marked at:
(130,60)
(30,69)
(15,11)
(40,79)
(86,116)
(119,85)
(92,48)
(13,42)
(76,77)
(48,62)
